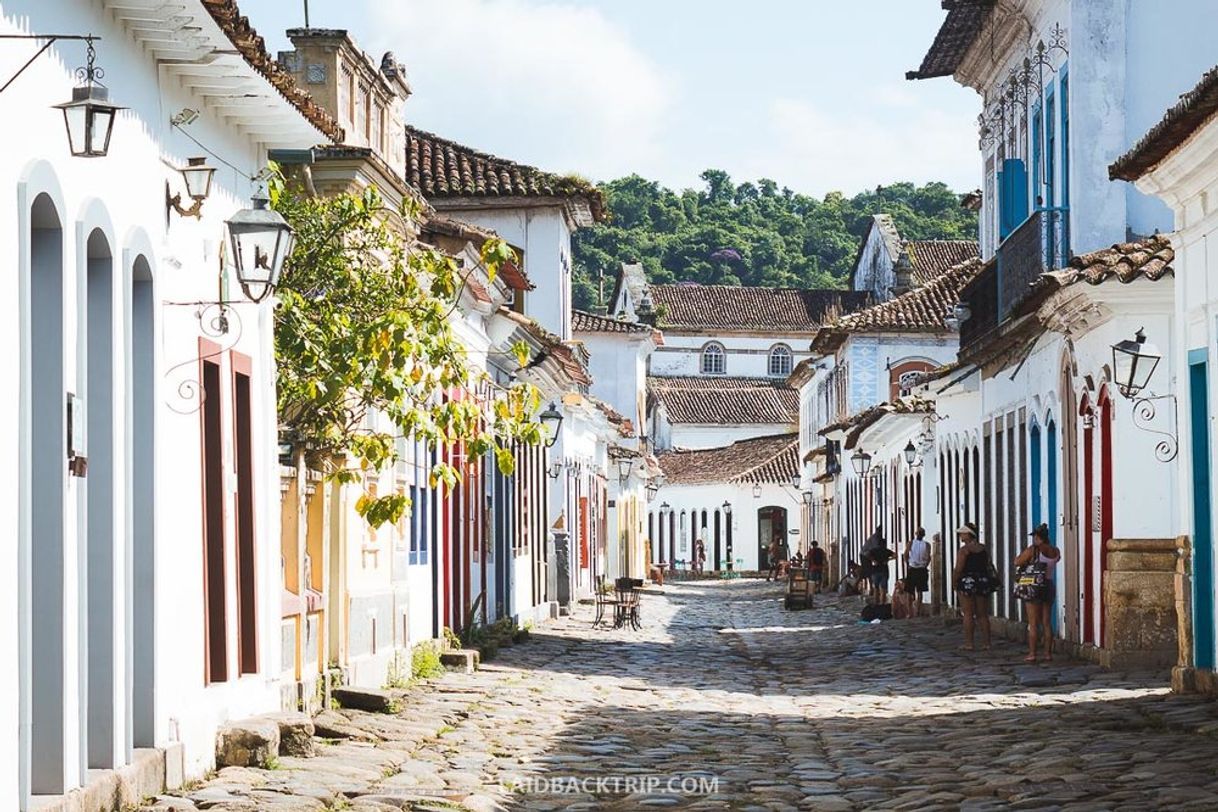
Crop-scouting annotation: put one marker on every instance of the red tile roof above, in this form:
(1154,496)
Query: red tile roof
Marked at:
(442,168)
(930,258)
(772,459)
(584,322)
(923,309)
(1150,259)
(1195,107)
(725,401)
(726,307)
(965,19)
(451,227)
(253,49)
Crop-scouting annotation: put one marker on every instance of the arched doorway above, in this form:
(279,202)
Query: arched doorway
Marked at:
(771,526)
(141,496)
(101,543)
(43,485)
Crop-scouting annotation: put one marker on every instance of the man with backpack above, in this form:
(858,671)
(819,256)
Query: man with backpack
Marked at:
(816,566)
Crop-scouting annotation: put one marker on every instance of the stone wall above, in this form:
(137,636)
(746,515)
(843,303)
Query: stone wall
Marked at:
(1140,626)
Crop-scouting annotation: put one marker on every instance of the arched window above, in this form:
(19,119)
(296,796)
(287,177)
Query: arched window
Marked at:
(714,361)
(901,375)
(780,361)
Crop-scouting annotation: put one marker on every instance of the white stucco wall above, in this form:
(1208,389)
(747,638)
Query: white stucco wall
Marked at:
(124,195)
(746,355)
(543,234)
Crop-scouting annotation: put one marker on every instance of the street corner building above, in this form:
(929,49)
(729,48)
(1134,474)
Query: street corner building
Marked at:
(142,513)
(175,567)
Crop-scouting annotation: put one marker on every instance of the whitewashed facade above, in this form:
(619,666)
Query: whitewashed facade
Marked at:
(1177,161)
(144,598)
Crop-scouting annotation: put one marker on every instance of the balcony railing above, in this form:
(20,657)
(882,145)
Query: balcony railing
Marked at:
(981,298)
(1041,243)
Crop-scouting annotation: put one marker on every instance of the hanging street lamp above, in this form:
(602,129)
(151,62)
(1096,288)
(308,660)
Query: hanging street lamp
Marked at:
(261,241)
(89,115)
(808,496)
(861,461)
(756,490)
(551,420)
(910,453)
(1133,362)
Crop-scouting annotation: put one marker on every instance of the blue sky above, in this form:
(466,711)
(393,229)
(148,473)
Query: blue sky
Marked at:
(810,93)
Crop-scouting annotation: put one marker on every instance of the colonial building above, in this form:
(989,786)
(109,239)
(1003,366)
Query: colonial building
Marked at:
(882,252)
(1030,418)
(141,508)
(536,211)
(1177,161)
(864,365)
(717,385)
(619,350)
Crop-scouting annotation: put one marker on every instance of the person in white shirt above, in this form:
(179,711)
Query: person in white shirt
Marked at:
(917,562)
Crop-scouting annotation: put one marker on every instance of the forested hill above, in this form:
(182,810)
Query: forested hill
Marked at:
(751,233)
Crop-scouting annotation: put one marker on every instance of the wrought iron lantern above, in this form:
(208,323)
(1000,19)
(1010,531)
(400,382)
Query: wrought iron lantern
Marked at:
(624,467)
(89,115)
(197,176)
(664,507)
(261,241)
(554,470)
(911,453)
(727,508)
(808,496)
(652,488)
(551,419)
(1133,362)
(756,490)
(861,461)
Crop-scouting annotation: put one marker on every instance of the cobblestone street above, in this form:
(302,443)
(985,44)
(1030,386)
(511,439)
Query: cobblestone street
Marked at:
(787,710)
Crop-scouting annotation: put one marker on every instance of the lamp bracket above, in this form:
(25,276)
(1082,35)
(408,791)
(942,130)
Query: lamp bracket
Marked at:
(90,72)
(1144,413)
(217,321)
(175,202)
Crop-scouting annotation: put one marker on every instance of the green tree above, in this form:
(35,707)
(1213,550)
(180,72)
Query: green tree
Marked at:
(363,329)
(783,238)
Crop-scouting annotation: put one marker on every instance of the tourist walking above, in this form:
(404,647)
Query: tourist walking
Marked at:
(772,553)
(699,556)
(876,556)
(1035,587)
(816,566)
(975,581)
(917,563)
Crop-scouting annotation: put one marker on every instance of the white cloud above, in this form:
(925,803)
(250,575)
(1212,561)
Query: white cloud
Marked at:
(549,83)
(817,151)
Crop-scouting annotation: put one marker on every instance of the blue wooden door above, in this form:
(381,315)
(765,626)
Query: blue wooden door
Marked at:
(1203,553)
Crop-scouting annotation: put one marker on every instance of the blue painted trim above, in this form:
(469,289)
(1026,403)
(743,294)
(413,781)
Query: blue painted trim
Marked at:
(1200,355)
(1203,541)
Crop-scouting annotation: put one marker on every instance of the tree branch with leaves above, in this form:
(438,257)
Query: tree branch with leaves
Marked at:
(363,339)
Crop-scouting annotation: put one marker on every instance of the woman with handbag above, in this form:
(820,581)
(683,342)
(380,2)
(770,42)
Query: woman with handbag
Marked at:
(1034,586)
(975,581)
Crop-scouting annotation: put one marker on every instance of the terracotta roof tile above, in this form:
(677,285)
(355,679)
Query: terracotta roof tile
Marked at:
(1183,119)
(442,168)
(584,322)
(923,309)
(725,401)
(772,459)
(965,19)
(1150,259)
(253,49)
(857,423)
(726,307)
(930,258)
(624,426)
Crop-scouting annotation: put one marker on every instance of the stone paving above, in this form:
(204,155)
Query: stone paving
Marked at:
(726,701)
